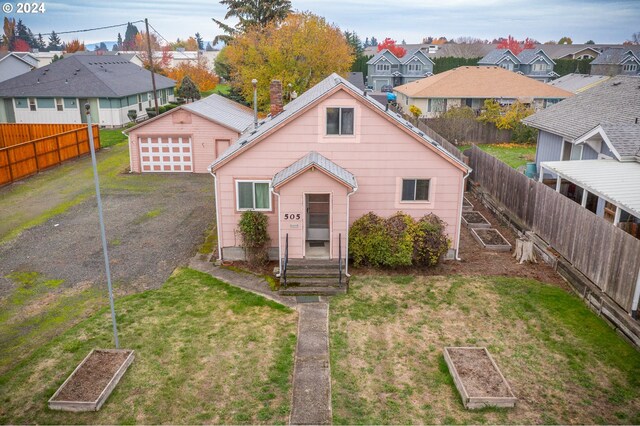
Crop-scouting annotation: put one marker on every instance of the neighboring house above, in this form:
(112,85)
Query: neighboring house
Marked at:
(181,56)
(45,58)
(14,64)
(577,83)
(534,63)
(131,57)
(57,93)
(386,69)
(600,125)
(617,61)
(187,138)
(327,158)
(471,86)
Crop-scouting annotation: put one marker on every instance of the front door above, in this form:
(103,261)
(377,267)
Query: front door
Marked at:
(318,219)
(94,110)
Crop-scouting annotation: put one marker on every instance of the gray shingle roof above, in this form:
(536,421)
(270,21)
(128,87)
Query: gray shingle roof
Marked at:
(615,55)
(314,93)
(315,159)
(357,79)
(528,55)
(625,138)
(223,110)
(493,57)
(390,56)
(90,76)
(578,82)
(615,101)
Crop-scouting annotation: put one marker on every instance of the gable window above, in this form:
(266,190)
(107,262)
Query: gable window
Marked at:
(383,67)
(340,121)
(415,189)
(253,195)
(539,67)
(59,104)
(507,65)
(414,67)
(32,104)
(629,67)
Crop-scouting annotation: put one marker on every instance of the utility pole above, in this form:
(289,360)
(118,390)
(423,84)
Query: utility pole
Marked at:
(87,108)
(153,76)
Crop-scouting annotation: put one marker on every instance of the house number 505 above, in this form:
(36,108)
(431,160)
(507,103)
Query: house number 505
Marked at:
(292,216)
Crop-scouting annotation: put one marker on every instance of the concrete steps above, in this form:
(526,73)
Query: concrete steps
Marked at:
(313,277)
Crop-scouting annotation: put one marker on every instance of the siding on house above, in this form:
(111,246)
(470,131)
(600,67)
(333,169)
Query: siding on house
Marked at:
(589,153)
(549,147)
(12,67)
(379,154)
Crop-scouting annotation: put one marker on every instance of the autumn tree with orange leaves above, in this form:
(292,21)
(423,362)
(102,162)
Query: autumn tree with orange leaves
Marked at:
(392,47)
(74,46)
(160,64)
(516,46)
(198,72)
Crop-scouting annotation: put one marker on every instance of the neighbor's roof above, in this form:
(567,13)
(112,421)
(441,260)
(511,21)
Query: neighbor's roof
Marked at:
(494,56)
(624,139)
(90,76)
(21,56)
(216,108)
(578,82)
(528,55)
(317,160)
(480,82)
(312,95)
(604,178)
(357,79)
(615,101)
(616,55)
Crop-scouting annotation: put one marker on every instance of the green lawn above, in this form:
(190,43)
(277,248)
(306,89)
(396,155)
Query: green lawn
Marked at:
(221,89)
(110,137)
(515,155)
(206,352)
(564,363)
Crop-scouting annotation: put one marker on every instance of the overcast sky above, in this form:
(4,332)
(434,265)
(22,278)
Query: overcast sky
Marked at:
(603,21)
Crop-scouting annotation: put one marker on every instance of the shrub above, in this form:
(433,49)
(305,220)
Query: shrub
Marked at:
(253,229)
(369,242)
(430,243)
(415,111)
(397,241)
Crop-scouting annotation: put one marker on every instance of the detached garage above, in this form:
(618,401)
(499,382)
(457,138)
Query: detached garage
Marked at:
(188,138)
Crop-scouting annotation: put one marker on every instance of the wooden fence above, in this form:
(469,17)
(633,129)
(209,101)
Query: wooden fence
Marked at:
(19,160)
(604,253)
(466,130)
(14,134)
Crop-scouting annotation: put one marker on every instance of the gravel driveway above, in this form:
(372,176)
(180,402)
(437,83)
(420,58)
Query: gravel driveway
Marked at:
(150,231)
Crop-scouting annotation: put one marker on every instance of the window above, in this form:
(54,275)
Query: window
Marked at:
(576,152)
(340,121)
(149,97)
(253,195)
(383,67)
(139,102)
(507,65)
(32,104)
(629,67)
(59,104)
(437,105)
(415,189)
(539,67)
(414,67)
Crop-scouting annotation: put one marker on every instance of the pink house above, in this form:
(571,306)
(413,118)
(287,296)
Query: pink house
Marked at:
(324,160)
(187,138)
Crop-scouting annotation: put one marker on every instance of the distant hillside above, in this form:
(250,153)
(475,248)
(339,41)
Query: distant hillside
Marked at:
(93,46)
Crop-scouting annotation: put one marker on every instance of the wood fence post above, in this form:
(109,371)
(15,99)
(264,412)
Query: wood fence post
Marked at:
(58,150)
(9,164)
(35,154)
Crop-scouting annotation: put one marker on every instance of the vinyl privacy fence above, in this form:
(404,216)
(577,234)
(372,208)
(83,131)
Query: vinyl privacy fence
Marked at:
(21,157)
(604,253)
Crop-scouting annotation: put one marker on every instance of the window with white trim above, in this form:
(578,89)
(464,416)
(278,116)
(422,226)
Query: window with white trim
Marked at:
(414,67)
(630,67)
(253,195)
(340,121)
(576,152)
(415,189)
(139,102)
(32,104)
(383,67)
(59,104)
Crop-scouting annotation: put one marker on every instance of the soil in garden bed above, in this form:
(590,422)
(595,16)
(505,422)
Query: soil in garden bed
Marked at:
(478,374)
(473,217)
(89,381)
(491,237)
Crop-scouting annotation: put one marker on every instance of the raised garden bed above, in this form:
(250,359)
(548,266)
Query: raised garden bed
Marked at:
(491,239)
(467,206)
(91,383)
(478,378)
(473,219)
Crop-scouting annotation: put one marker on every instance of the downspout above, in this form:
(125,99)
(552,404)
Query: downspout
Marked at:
(215,190)
(460,215)
(346,244)
(273,191)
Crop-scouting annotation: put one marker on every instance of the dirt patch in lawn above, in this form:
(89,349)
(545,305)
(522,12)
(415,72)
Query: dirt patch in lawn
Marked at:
(479,376)
(92,377)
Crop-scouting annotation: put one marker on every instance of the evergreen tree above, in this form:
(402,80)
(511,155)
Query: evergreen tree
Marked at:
(199,41)
(354,41)
(24,33)
(54,41)
(102,47)
(373,42)
(209,48)
(129,42)
(366,42)
(40,44)
(119,42)
(56,58)
(188,89)
(250,14)
(403,41)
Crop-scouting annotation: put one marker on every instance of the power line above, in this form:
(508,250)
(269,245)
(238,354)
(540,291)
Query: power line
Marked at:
(95,29)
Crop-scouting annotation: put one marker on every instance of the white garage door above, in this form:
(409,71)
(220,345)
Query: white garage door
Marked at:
(166,153)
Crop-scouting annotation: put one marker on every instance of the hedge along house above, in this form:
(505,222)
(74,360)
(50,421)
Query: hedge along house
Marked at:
(56,93)
(324,160)
(187,138)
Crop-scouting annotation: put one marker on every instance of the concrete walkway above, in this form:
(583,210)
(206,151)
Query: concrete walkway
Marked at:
(311,373)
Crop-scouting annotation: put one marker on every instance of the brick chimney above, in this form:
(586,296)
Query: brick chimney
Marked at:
(275,93)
